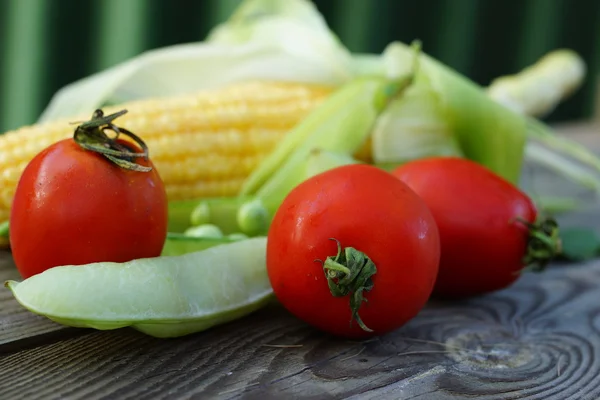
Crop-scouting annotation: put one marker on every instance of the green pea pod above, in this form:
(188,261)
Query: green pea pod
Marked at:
(179,214)
(244,214)
(165,296)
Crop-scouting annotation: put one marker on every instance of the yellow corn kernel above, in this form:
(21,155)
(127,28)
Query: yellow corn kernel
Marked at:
(203,145)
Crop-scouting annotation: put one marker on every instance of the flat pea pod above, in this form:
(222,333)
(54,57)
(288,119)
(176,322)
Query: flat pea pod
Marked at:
(235,214)
(166,296)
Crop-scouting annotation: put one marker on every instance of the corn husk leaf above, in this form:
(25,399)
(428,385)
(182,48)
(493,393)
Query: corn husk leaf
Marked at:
(448,114)
(281,40)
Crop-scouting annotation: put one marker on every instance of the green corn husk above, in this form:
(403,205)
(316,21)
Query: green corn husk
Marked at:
(445,113)
(448,115)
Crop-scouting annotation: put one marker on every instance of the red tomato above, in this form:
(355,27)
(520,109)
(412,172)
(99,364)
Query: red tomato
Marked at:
(74,206)
(483,222)
(364,208)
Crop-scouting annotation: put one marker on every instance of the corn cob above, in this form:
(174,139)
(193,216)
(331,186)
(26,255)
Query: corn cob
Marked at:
(203,145)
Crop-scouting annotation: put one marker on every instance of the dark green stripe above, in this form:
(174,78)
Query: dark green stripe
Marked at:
(541,30)
(498,37)
(3,41)
(456,33)
(177,21)
(352,23)
(128,18)
(405,21)
(330,10)
(24,58)
(590,48)
(580,33)
(69,35)
(591,108)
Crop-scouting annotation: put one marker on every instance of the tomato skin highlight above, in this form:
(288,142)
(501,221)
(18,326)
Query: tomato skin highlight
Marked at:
(477,212)
(362,207)
(73,206)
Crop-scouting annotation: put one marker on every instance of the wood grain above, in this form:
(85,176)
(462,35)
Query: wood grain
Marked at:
(539,339)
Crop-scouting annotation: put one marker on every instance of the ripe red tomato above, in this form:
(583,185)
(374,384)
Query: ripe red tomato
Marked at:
(367,209)
(484,223)
(74,206)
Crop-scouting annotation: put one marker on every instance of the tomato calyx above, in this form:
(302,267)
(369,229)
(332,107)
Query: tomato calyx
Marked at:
(90,135)
(349,272)
(543,244)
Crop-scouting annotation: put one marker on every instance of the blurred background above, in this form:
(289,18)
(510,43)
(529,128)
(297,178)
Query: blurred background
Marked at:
(45,44)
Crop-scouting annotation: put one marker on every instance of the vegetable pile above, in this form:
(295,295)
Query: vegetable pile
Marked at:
(399,186)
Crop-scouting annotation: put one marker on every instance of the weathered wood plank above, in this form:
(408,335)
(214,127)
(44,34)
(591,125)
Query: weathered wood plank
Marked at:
(538,340)
(17,325)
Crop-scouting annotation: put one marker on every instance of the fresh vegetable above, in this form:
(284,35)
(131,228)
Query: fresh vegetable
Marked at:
(559,204)
(448,115)
(236,214)
(538,89)
(579,244)
(353,251)
(87,199)
(225,212)
(203,144)
(161,296)
(572,160)
(205,231)
(414,126)
(490,230)
(445,114)
(320,160)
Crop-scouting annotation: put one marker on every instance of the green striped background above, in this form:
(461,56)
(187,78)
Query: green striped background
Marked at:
(45,44)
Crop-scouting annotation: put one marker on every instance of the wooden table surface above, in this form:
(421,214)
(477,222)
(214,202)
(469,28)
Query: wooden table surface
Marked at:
(539,339)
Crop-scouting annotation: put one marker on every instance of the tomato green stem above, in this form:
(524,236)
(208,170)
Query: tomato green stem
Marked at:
(543,244)
(90,135)
(349,272)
